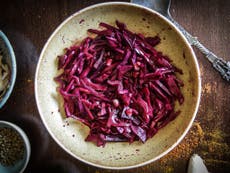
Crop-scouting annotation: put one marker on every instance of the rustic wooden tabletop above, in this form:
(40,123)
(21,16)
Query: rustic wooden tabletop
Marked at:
(29,23)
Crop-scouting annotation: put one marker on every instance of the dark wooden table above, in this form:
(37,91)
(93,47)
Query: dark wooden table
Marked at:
(29,23)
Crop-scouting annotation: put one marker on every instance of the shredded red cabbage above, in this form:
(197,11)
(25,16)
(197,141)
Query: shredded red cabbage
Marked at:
(119,85)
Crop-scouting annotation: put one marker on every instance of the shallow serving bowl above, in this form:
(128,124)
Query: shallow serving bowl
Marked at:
(7,52)
(20,165)
(69,134)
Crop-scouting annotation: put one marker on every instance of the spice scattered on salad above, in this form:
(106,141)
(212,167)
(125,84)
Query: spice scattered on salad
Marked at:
(4,77)
(119,85)
(11,146)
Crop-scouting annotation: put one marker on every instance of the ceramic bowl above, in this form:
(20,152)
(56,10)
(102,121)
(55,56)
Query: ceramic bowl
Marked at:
(19,166)
(8,55)
(70,134)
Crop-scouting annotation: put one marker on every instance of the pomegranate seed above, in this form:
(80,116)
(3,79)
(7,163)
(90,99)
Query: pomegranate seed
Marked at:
(109,62)
(129,112)
(138,63)
(115,102)
(136,67)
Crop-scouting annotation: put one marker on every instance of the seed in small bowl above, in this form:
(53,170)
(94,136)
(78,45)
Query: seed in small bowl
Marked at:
(12,146)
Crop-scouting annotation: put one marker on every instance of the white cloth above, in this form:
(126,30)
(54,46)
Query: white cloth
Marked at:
(196,165)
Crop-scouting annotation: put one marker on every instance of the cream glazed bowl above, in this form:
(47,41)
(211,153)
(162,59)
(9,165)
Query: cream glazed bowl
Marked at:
(71,134)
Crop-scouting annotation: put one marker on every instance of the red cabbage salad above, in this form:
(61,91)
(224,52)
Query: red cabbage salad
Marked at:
(119,85)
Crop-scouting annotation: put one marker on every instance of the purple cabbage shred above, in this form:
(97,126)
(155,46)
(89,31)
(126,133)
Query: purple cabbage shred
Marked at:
(119,85)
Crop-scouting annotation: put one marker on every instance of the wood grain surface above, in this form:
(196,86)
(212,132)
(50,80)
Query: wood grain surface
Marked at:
(29,23)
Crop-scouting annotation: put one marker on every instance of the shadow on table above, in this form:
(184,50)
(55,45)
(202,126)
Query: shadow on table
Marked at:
(57,166)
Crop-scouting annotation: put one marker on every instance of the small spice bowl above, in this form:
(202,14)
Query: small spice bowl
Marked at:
(15,148)
(8,58)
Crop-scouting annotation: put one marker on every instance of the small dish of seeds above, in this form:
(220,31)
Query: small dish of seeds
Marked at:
(14,148)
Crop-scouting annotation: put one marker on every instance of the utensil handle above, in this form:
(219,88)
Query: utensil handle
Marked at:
(222,66)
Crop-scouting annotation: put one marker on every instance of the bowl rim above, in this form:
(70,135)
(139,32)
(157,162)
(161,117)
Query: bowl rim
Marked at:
(13,69)
(176,30)
(25,140)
